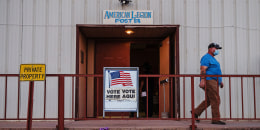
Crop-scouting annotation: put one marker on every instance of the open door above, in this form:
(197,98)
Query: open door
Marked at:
(81,81)
(164,70)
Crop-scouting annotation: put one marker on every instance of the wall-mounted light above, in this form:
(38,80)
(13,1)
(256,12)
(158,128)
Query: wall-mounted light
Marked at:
(125,1)
(129,32)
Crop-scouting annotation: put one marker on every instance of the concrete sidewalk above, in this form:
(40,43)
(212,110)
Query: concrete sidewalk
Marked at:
(131,125)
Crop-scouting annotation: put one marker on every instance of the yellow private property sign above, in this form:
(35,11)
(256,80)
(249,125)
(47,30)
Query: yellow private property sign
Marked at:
(32,72)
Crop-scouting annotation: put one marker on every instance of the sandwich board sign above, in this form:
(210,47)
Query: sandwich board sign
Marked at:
(120,89)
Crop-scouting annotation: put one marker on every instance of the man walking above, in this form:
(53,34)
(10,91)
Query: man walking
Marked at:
(210,66)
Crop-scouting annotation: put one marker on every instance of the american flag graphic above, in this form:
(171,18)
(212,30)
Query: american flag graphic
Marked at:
(121,77)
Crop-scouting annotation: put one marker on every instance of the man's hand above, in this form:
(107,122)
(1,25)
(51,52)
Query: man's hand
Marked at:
(202,83)
(221,85)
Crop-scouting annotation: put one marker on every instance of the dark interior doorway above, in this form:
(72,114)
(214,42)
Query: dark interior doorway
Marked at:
(145,55)
(145,52)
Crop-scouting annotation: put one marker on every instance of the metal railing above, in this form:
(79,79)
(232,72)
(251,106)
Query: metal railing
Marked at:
(179,84)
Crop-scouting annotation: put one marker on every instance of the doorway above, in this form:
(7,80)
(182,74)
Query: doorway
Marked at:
(101,46)
(145,55)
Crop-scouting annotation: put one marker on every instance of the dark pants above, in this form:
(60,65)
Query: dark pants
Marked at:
(213,99)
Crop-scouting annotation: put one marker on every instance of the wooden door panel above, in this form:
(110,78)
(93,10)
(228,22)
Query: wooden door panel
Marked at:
(110,54)
(164,69)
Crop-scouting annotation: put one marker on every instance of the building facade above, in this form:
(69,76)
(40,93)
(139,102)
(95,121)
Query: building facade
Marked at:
(45,32)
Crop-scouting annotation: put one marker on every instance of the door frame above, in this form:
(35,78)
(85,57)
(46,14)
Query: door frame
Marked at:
(174,40)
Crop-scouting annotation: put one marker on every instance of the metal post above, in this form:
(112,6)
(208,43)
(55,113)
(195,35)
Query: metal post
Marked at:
(159,98)
(147,97)
(193,126)
(230,98)
(18,105)
(183,97)
(5,96)
(163,97)
(171,99)
(30,105)
(44,112)
(72,109)
(254,97)
(242,95)
(206,104)
(61,103)
(98,98)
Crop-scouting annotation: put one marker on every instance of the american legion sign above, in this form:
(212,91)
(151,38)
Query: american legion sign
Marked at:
(127,17)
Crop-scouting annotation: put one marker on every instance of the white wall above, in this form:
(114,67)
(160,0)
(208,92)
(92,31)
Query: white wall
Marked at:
(44,31)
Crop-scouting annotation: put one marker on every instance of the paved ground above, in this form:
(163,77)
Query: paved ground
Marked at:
(131,125)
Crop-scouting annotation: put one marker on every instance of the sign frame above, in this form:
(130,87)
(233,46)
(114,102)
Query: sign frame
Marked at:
(33,73)
(135,103)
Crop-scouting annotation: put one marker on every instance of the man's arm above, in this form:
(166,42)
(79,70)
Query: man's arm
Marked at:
(203,77)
